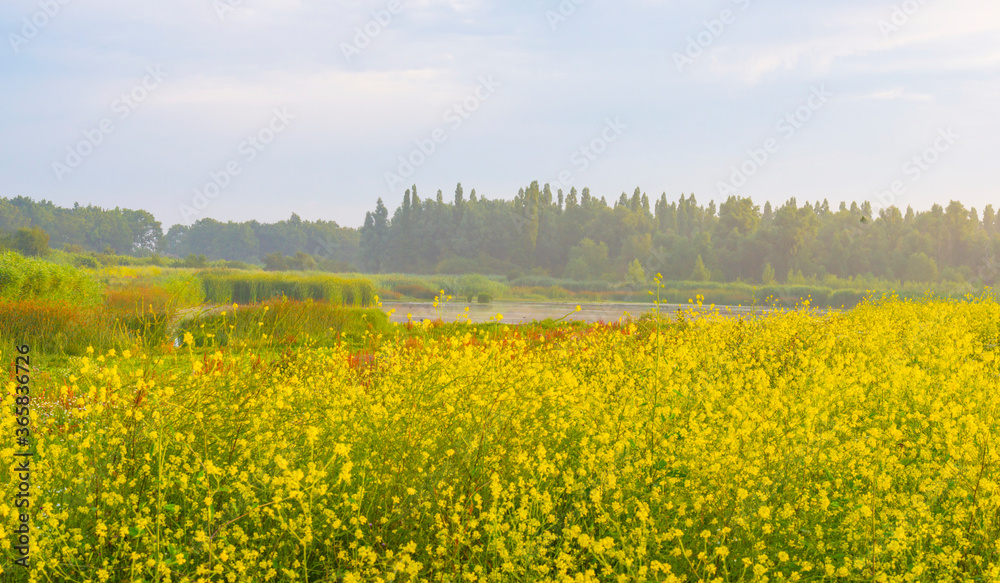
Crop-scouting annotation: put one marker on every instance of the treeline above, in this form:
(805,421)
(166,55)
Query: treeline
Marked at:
(567,235)
(289,244)
(121,231)
(578,236)
(32,227)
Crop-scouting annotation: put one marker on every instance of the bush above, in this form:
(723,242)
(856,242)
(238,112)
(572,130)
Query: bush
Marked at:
(331,265)
(416,290)
(86,261)
(224,264)
(195,261)
(33,242)
(847,298)
(471,285)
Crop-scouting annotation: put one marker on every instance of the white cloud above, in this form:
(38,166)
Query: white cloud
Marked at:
(938,37)
(897,93)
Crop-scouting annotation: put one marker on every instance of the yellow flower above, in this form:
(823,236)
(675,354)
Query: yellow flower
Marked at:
(671,439)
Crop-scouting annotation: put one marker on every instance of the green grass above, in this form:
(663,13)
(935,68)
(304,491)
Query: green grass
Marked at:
(228,287)
(28,278)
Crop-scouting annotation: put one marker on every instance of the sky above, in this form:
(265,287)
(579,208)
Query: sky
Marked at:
(257,109)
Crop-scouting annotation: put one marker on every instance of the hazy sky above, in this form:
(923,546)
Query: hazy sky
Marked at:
(309,106)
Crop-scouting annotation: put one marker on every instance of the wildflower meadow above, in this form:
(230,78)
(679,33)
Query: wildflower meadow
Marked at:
(795,446)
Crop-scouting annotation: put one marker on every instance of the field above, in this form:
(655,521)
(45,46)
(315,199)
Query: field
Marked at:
(792,447)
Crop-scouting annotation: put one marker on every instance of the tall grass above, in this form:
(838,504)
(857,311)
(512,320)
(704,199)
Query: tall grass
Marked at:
(50,326)
(225,287)
(286,323)
(140,315)
(62,327)
(145,317)
(25,278)
(182,285)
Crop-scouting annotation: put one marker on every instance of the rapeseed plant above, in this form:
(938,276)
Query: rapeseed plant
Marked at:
(796,446)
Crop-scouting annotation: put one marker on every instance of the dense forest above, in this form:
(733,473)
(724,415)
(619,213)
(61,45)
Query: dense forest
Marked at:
(572,235)
(575,235)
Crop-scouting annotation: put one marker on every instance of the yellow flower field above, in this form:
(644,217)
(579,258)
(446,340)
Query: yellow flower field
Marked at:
(794,447)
